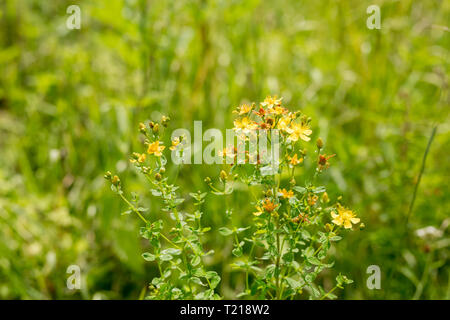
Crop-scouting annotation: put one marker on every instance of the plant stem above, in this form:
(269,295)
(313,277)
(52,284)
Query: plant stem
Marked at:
(277,269)
(246,271)
(145,220)
(422,168)
(329,292)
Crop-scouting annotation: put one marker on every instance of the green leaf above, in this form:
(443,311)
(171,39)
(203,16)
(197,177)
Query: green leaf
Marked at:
(126,212)
(239,230)
(300,189)
(237,252)
(313,260)
(199,272)
(319,189)
(197,281)
(308,252)
(215,281)
(172,251)
(225,231)
(155,192)
(166,257)
(195,261)
(310,277)
(148,256)
(167,273)
(294,284)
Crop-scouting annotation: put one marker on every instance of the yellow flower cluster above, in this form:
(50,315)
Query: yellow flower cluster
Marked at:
(272,115)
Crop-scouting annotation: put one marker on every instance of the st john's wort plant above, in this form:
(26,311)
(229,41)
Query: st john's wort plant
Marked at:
(177,249)
(294,224)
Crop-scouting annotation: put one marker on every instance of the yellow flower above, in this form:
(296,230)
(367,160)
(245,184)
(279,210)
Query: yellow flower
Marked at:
(259,212)
(227,152)
(155,148)
(286,194)
(175,143)
(245,108)
(142,158)
(245,124)
(138,157)
(344,217)
(270,102)
(269,206)
(283,123)
(294,160)
(279,110)
(299,131)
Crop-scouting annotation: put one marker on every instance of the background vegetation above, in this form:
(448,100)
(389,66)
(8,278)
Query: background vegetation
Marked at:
(70,102)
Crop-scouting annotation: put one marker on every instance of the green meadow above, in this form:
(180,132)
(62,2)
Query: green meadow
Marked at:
(71,101)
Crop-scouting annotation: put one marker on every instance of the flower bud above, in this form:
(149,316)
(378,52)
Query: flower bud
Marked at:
(158,177)
(223,175)
(151,124)
(162,170)
(362,226)
(325,198)
(319,143)
(155,128)
(135,155)
(142,128)
(108,175)
(328,227)
(164,121)
(269,193)
(208,180)
(292,182)
(115,181)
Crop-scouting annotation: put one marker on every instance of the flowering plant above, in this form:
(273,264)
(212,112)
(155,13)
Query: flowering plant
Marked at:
(294,225)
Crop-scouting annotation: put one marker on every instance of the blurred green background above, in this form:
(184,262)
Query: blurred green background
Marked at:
(70,102)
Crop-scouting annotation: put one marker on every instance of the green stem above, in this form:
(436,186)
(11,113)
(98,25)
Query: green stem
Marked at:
(329,292)
(422,168)
(247,269)
(145,220)
(277,269)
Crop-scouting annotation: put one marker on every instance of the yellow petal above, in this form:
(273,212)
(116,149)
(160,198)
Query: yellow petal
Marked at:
(336,222)
(355,220)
